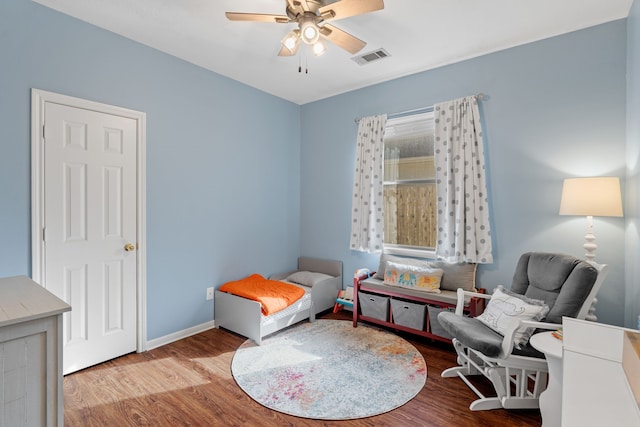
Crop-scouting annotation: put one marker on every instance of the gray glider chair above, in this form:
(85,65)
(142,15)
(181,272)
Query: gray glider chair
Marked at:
(545,288)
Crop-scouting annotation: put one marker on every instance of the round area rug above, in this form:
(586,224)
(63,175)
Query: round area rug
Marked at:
(330,370)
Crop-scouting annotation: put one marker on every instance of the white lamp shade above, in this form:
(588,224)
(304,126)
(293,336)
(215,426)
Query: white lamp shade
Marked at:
(597,196)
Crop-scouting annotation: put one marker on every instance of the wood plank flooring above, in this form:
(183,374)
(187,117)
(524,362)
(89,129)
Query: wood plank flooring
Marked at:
(189,383)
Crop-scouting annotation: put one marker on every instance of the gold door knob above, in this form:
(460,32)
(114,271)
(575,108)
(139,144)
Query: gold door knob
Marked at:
(129,247)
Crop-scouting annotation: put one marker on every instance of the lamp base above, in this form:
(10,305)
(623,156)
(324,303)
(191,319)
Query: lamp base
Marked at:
(590,255)
(590,245)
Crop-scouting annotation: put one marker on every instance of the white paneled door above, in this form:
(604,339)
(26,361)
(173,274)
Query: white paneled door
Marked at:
(90,230)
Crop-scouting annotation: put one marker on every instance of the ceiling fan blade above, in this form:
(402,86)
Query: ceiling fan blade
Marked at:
(346,8)
(342,39)
(297,7)
(303,4)
(257,17)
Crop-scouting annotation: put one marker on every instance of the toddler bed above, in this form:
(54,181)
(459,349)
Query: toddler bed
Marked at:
(321,281)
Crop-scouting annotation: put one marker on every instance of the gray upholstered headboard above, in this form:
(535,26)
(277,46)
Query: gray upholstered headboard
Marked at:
(332,268)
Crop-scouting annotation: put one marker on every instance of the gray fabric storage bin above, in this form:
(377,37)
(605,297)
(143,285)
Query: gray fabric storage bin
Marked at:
(409,314)
(435,327)
(375,306)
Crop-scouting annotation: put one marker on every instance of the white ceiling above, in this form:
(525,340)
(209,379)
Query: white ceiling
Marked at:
(418,34)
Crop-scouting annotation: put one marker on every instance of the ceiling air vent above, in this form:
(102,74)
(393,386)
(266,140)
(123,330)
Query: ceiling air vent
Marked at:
(369,57)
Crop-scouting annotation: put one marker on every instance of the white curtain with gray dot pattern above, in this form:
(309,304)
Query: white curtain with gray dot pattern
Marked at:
(367,213)
(464,234)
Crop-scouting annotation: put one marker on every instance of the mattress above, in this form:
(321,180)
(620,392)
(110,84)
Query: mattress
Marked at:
(302,304)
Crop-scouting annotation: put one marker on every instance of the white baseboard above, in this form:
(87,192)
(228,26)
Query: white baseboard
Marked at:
(167,339)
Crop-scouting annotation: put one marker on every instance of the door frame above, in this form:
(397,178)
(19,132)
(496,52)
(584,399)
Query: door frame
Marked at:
(38,100)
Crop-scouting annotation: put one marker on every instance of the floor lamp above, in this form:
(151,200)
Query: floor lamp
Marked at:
(597,196)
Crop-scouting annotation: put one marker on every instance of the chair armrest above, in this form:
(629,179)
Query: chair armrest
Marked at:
(540,325)
(460,299)
(507,342)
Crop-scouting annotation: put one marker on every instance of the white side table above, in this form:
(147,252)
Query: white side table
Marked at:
(551,398)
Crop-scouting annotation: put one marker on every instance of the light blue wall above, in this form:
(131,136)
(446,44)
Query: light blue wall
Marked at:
(222,158)
(632,207)
(555,109)
(226,199)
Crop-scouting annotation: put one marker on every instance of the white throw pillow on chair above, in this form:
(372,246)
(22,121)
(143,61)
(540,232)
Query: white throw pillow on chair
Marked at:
(506,307)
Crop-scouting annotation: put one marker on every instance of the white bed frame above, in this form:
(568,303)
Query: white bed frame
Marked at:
(244,316)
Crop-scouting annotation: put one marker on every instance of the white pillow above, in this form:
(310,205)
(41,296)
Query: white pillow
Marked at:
(307,278)
(506,308)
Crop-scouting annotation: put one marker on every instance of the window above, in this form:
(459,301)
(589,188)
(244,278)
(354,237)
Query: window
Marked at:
(409,185)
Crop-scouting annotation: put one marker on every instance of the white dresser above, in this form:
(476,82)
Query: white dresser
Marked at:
(596,390)
(30,354)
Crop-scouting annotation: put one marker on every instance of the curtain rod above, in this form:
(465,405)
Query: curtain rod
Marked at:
(479,97)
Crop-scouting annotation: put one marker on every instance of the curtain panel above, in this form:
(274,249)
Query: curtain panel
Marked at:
(367,213)
(464,233)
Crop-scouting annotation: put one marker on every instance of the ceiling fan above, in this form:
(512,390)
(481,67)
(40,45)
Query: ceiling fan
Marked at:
(312,17)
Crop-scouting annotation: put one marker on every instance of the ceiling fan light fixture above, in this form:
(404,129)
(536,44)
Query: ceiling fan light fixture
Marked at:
(319,48)
(312,17)
(291,40)
(309,31)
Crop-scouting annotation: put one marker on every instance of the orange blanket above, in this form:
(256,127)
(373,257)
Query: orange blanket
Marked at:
(272,295)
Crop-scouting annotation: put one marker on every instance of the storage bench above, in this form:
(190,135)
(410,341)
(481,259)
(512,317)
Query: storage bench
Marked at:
(410,310)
